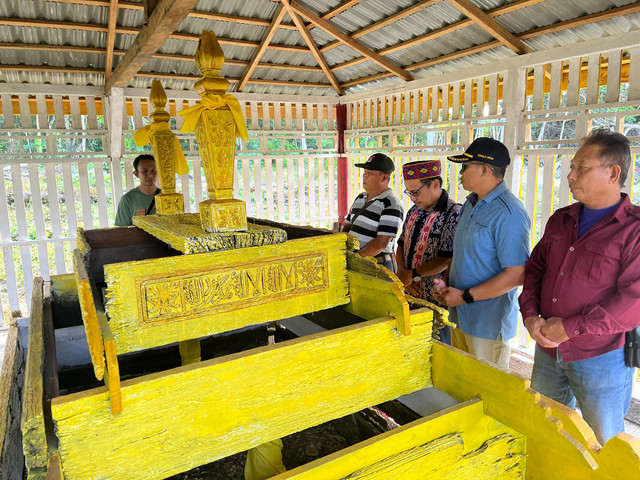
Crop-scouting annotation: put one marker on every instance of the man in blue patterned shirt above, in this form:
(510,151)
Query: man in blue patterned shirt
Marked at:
(425,246)
(376,214)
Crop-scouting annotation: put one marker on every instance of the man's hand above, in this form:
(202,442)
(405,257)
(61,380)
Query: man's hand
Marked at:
(554,330)
(414,289)
(450,296)
(405,276)
(533,325)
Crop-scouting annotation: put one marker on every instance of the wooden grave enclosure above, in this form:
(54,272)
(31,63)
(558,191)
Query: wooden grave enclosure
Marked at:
(153,418)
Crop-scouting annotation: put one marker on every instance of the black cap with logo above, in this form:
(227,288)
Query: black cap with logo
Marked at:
(379,162)
(485,150)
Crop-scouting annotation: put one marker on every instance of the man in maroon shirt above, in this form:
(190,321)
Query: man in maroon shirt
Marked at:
(582,288)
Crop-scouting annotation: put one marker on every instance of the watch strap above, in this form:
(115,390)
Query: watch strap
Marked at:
(415,275)
(467,297)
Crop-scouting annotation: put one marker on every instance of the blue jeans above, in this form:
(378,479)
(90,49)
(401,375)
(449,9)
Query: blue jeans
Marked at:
(602,385)
(390,265)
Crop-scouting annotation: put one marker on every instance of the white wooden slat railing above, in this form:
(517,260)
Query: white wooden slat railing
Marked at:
(539,104)
(68,180)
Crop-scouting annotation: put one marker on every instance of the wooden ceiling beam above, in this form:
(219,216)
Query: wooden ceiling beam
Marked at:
(194,13)
(596,17)
(385,22)
(135,31)
(512,7)
(306,35)
(584,20)
(358,47)
(159,55)
(111,37)
(266,39)
(174,76)
(149,6)
(340,8)
(164,20)
(480,17)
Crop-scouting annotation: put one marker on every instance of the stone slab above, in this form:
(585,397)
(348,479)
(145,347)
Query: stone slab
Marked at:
(184,233)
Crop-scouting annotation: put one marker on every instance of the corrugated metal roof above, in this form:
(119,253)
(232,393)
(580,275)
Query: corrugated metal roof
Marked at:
(361,15)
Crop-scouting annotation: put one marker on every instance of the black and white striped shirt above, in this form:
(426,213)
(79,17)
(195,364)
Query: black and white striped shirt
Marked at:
(383,217)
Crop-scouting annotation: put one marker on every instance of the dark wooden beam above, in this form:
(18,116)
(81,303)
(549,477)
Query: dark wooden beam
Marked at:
(149,7)
(312,45)
(266,39)
(164,20)
(357,46)
(481,18)
(111,37)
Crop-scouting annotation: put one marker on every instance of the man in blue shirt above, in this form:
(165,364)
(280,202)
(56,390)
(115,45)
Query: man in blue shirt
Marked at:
(491,246)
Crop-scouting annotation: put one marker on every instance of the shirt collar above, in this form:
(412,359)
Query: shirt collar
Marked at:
(380,196)
(492,195)
(619,214)
(443,201)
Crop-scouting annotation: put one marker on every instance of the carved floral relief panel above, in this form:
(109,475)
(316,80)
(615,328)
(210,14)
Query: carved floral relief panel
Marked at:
(191,295)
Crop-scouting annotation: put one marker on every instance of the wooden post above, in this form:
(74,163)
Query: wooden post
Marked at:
(343,201)
(163,144)
(216,134)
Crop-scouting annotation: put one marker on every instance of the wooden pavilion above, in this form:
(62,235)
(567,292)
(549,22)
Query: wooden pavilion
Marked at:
(322,85)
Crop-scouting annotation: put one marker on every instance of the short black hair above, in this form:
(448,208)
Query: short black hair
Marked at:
(498,172)
(428,181)
(614,150)
(139,158)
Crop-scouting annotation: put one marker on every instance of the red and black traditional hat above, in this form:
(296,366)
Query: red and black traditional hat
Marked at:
(421,169)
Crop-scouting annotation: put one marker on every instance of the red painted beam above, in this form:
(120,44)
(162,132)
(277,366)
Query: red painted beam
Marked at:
(343,191)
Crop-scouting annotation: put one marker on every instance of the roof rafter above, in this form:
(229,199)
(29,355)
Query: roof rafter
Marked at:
(385,21)
(193,13)
(480,17)
(135,31)
(266,39)
(164,20)
(111,37)
(312,45)
(556,27)
(97,71)
(512,7)
(337,33)
(164,56)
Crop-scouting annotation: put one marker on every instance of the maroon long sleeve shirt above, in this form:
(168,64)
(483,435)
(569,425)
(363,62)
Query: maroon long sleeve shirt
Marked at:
(592,283)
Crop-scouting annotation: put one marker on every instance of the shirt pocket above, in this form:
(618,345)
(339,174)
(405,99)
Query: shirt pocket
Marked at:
(600,262)
(483,242)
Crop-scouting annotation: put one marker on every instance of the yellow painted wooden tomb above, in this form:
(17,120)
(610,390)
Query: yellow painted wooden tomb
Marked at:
(160,283)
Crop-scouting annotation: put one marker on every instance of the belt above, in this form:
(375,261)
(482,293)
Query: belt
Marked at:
(383,257)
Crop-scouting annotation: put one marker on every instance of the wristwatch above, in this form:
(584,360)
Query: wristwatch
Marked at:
(467,297)
(416,275)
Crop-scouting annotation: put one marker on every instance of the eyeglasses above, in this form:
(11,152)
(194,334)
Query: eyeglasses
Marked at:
(466,164)
(414,193)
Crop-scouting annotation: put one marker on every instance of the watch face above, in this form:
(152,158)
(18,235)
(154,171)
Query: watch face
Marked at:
(417,278)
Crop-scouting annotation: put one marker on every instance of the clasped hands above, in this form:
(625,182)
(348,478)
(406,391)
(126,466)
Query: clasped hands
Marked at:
(411,287)
(548,332)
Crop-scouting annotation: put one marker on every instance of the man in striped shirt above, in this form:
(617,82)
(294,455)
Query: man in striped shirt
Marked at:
(376,214)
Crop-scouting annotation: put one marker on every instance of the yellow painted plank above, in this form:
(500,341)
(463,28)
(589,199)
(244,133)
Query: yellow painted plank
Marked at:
(81,242)
(414,451)
(11,381)
(175,420)
(159,301)
(112,379)
(89,315)
(184,233)
(34,440)
(552,449)
(373,297)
